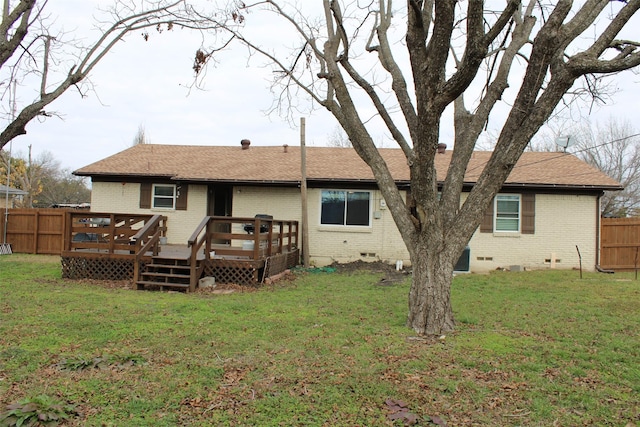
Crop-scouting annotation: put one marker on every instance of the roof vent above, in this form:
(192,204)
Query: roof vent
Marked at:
(285,146)
(442,148)
(245,144)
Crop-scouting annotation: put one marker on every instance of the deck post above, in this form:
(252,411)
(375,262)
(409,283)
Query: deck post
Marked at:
(294,237)
(207,244)
(68,234)
(270,241)
(193,268)
(112,233)
(256,238)
(290,236)
(136,268)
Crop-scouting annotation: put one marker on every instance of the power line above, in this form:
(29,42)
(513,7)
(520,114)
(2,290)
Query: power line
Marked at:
(563,154)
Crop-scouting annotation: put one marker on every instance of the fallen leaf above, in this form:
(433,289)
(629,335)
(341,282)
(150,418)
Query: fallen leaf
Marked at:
(438,421)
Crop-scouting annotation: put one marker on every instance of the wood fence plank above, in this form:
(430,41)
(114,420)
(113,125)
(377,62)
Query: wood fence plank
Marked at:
(619,243)
(36,231)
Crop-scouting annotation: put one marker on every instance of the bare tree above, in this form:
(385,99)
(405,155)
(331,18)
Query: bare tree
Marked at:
(62,188)
(337,138)
(141,136)
(31,54)
(458,55)
(614,148)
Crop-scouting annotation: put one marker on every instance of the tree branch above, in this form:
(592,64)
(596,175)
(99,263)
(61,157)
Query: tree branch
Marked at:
(11,39)
(153,17)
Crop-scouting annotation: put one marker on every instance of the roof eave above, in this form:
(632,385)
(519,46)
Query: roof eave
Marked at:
(341,181)
(562,187)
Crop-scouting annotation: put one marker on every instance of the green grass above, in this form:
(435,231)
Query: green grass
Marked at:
(327,349)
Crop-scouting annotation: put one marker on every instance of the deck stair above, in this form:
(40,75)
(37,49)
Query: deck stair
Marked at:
(166,273)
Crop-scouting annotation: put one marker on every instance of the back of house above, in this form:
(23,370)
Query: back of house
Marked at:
(548,207)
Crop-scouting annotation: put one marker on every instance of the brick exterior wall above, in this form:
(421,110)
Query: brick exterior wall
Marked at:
(561,223)
(327,244)
(125,198)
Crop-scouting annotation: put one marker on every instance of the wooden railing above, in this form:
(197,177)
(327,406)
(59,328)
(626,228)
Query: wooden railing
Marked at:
(227,237)
(131,234)
(147,239)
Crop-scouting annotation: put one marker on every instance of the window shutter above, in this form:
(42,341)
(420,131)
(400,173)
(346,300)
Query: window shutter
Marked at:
(182,191)
(145,195)
(486,226)
(528,213)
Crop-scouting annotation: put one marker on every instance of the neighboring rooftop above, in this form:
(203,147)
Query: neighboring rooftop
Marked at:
(12,191)
(280,164)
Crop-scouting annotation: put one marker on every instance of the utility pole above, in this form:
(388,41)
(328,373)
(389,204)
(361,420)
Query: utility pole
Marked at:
(303,194)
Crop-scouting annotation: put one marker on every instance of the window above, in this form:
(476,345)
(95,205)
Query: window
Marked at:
(341,207)
(507,212)
(164,196)
(524,213)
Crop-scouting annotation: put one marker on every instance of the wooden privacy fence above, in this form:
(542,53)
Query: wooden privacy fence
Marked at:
(620,243)
(35,231)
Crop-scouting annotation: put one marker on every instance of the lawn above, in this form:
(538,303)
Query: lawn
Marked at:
(324,349)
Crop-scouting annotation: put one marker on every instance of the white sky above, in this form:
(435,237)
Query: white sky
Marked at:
(144,83)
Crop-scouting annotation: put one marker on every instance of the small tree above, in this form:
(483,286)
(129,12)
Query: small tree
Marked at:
(29,174)
(337,138)
(464,56)
(141,136)
(14,165)
(28,49)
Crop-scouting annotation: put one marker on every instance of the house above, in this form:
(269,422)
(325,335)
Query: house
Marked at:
(548,206)
(10,197)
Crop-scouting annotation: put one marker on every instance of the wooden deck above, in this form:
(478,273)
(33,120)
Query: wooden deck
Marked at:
(119,247)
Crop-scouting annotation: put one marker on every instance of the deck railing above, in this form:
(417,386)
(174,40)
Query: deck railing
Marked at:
(227,237)
(113,233)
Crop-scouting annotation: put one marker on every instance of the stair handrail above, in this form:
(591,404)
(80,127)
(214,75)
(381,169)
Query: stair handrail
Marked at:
(153,230)
(195,242)
(194,236)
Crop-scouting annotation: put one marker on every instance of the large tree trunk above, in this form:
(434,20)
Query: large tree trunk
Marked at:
(430,311)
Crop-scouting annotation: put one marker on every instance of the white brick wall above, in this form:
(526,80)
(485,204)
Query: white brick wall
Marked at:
(381,241)
(281,203)
(125,198)
(562,222)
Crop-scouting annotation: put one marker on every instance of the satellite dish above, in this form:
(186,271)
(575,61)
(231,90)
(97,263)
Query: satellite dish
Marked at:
(565,142)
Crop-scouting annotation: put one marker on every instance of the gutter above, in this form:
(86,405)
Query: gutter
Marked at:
(110,177)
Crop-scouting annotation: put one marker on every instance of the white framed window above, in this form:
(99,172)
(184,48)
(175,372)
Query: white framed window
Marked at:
(163,196)
(507,212)
(346,208)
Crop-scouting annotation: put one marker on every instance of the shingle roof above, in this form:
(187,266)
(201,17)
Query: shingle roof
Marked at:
(13,191)
(260,164)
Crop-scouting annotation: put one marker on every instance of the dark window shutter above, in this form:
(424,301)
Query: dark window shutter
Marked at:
(145,195)
(486,226)
(182,192)
(528,213)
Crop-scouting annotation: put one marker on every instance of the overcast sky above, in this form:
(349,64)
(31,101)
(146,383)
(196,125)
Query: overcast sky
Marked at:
(146,84)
